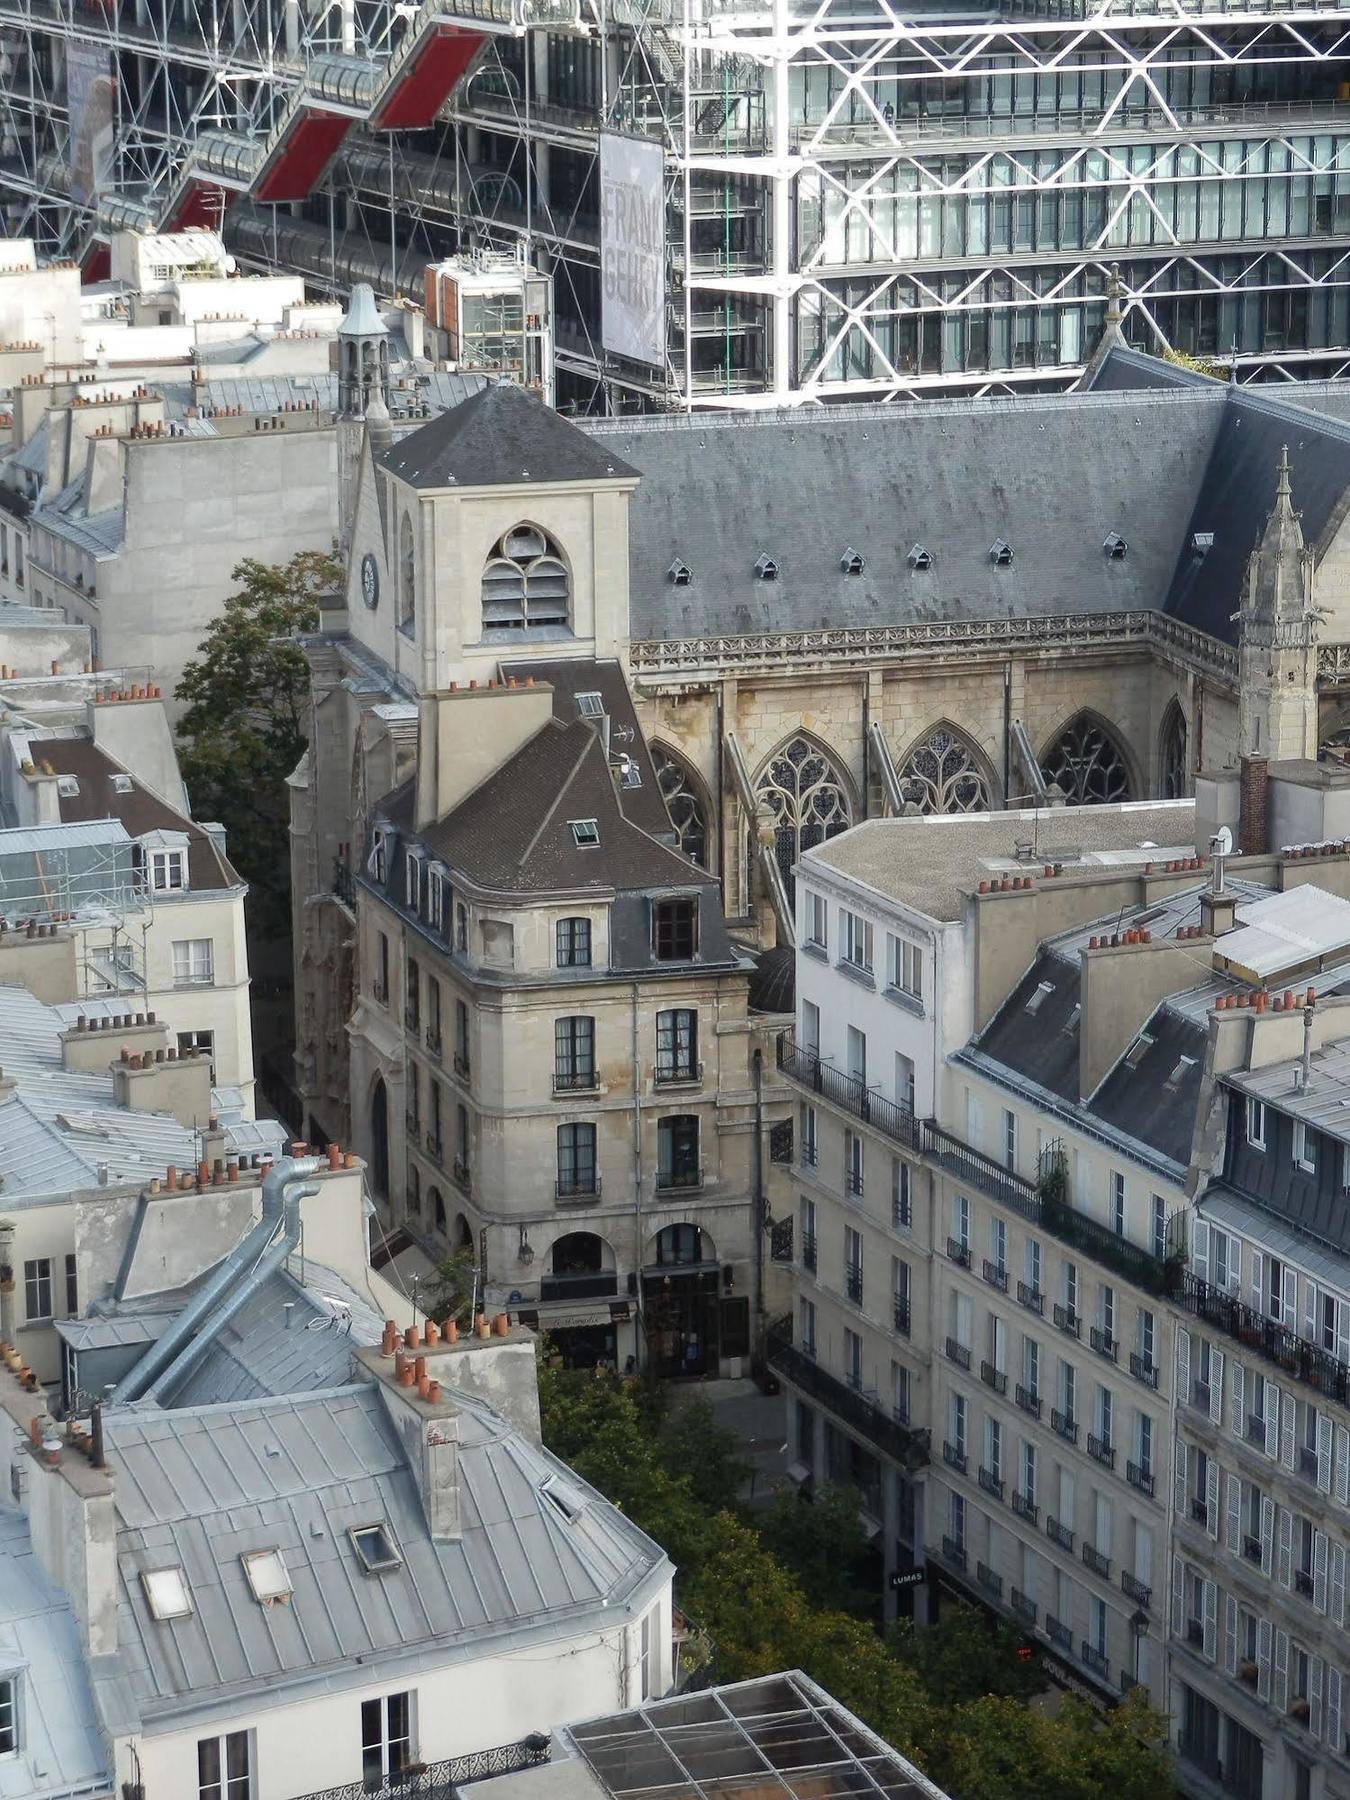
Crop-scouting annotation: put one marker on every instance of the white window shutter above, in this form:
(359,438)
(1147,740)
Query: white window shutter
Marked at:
(1289,1298)
(1258,1273)
(1324,1441)
(1315,1679)
(1280,1698)
(1342,1477)
(1285,1554)
(1310,1310)
(1183,1365)
(1272,1419)
(1200,1249)
(1342,1331)
(1230,1628)
(1336,1605)
(1239,1380)
(1288,1431)
(1178,1594)
(1216,1388)
(1212,1497)
(1211,1602)
(1233,1535)
(1179,1506)
(1320,1571)
(1267,1535)
(1334,1708)
(1263,1658)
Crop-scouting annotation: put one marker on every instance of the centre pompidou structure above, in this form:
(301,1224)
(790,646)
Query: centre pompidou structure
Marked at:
(862,199)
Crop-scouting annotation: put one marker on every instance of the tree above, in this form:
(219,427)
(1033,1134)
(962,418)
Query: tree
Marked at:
(693,1443)
(964,1657)
(452,1295)
(1000,1749)
(822,1541)
(243,730)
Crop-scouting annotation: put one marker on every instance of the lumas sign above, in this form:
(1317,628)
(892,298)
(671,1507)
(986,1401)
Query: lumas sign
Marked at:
(633,248)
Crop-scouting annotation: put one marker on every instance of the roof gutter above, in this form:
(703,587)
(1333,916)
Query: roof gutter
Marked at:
(262,1251)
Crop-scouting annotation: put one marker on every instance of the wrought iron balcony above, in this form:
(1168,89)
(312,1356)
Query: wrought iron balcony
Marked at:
(581,1189)
(978,1170)
(853,1285)
(904,1444)
(1139,1477)
(1064,1425)
(993,1378)
(995,1275)
(954,1458)
(989,1580)
(901,1315)
(441,1780)
(958,1252)
(1305,1361)
(809,1251)
(853,1181)
(1134,1589)
(1023,1605)
(954,1552)
(958,1353)
(1095,1659)
(1101,1450)
(991,1483)
(1031,1297)
(849,1094)
(1066,1319)
(1025,1508)
(1059,1634)
(1059,1534)
(1029,1402)
(1143,1370)
(1103,1343)
(1094,1560)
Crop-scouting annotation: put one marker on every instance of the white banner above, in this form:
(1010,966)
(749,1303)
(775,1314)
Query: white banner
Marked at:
(633,248)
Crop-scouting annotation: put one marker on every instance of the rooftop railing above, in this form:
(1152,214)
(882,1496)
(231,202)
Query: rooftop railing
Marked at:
(849,1093)
(443,1780)
(1305,1361)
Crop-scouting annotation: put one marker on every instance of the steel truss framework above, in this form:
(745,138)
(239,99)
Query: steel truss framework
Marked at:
(860,202)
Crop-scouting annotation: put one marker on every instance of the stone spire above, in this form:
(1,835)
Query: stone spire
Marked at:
(363,355)
(1277,635)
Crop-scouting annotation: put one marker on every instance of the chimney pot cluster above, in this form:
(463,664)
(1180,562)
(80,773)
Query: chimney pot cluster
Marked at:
(1303,852)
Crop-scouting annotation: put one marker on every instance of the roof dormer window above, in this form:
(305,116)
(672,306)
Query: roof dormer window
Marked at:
(1114,546)
(412,880)
(851,563)
(168,871)
(766,568)
(591,706)
(122,784)
(1000,554)
(68,786)
(680,573)
(919,558)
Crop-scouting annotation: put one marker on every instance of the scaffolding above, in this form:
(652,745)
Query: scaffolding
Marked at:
(861,200)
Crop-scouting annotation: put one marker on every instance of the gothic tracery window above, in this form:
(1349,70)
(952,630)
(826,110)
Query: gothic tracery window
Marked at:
(407,577)
(1086,764)
(805,798)
(525,584)
(1172,760)
(683,804)
(941,775)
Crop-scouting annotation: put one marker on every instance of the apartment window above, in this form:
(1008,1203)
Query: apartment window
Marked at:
(1143,1443)
(1071,1289)
(37,1289)
(1146,1337)
(72,1285)
(817,929)
(1068,1390)
(959,1425)
(906,968)
(808,1224)
(810,1028)
(414,1101)
(852,1359)
(900,1392)
(1256,1123)
(462,928)
(810,1140)
(857,942)
(573,940)
(1105,1415)
(435,900)
(645,1658)
(904,1081)
(1305,1148)
(1118,1203)
(902,1194)
(961,1220)
(168,871)
(808,1317)
(958,1519)
(1028,1473)
(225,1767)
(674,929)
(576,1159)
(1034,1265)
(1031,1367)
(677,1045)
(857,1055)
(853,1263)
(1159,1226)
(901,1288)
(382,968)
(677,1163)
(434,1014)
(9,1715)
(203,1043)
(386,1738)
(574,1052)
(412,995)
(194,962)
(1009,1140)
(1097,1624)
(993,1448)
(998,1246)
(462,1037)
(1108,1311)
(853,1163)
(412,879)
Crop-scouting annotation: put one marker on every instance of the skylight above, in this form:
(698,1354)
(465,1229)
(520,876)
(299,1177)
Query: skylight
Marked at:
(585,833)
(1135,1054)
(562,1498)
(166,1591)
(1178,1074)
(591,706)
(1037,1000)
(68,785)
(122,784)
(375,1549)
(267,1576)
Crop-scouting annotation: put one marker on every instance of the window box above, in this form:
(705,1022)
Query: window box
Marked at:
(991,1483)
(1064,1425)
(1101,1451)
(1067,1320)
(1139,1477)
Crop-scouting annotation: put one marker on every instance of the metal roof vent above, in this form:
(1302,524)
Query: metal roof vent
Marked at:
(1000,554)
(919,558)
(1202,542)
(1114,546)
(851,563)
(766,568)
(122,784)
(680,573)
(68,785)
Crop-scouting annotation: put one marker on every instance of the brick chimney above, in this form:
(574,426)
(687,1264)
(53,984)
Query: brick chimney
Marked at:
(1253,805)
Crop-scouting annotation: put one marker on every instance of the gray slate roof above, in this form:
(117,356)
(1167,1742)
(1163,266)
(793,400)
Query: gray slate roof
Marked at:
(1050,475)
(200,1488)
(500,436)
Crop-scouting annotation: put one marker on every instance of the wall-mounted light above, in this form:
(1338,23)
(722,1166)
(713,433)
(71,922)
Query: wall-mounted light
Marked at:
(525,1249)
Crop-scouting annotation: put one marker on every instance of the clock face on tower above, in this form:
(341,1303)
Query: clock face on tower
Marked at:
(370,581)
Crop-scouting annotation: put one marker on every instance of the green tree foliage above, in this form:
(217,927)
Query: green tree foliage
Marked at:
(822,1542)
(693,1443)
(451,1296)
(243,731)
(760,1617)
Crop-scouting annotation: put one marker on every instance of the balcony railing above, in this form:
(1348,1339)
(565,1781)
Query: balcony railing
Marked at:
(678,1180)
(1305,1361)
(1103,1343)
(1095,1659)
(680,1074)
(1094,1560)
(809,1251)
(1139,1477)
(954,1552)
(853,1181)
(566,1081)
(954,1458)
(1023,1605)
(461,1065)
(958,1252)
(1025,1508)
(1101,1450)
(989,1579)
(1060,1635)
(904,1444)
(849,1093)
(1029,1402)
(853,1285)
(902,1316)
(958,1353)
(1066,1319)
(1064,1425)
(995,1275)
(993,1378)
(433,1042)
(1031,1297)
(577,1190)
(980,1171)
(1143,1369)
(991,1483)
(1059,1534)
(441,1780)
(1134,1589)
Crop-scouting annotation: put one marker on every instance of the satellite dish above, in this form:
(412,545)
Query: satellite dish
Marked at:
(1222,841)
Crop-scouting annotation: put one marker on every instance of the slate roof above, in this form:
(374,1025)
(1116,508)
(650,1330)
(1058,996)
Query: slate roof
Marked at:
(500,436)
(140,811)
(60,1752)
(1050,475)
(199,1488)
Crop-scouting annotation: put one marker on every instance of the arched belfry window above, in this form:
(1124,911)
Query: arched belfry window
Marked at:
(805,797)
(684,803)
(1172,753)
(1087,764)
(525,583)
(407,577)
(943,774)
